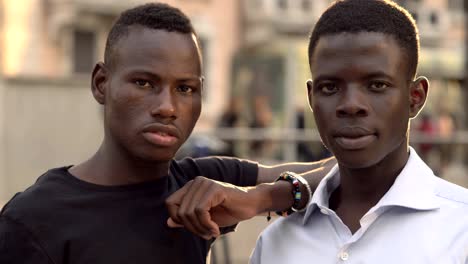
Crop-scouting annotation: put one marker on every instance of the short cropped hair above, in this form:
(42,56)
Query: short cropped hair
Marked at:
(382,16)
(151,15)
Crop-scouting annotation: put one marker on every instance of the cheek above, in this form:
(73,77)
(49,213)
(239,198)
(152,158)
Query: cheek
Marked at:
(322,112)
(395,108)
(322,120)
(196,107)
(191,112)
(126,106)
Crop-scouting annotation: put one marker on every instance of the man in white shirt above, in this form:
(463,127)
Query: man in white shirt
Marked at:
(381,203)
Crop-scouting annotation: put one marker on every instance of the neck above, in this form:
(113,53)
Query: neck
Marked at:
(112,166)
(366,186)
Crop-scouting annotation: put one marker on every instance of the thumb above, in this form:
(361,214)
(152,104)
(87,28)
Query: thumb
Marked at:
(172,224)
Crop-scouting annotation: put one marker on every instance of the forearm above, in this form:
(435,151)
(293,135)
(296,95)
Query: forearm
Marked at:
(278,196)
(272,196)
(313,177)
(268,174)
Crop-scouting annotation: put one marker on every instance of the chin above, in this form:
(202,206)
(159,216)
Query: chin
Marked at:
(168,156)
(157,156)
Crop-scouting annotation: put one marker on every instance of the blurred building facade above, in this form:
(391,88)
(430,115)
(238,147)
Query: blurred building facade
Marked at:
(272,63)
(275,49)
(254,50)
(443,58)
(47,114)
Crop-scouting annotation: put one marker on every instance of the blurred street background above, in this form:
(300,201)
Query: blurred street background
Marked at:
(255,102)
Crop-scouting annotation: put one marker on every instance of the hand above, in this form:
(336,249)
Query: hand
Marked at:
(203,205)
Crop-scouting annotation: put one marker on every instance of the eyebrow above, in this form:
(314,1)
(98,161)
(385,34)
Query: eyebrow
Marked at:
(157,76)
(377,74)
(325,77)
(198,79)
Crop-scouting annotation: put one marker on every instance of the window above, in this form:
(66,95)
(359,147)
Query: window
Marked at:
(434,18)
(283,4)
(455,4)
(257,4)
(306,5)
(84,46)
(204,48)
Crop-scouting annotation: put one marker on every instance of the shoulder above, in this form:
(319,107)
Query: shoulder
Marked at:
(32,200)
(451,194)
(274,243)
(213,161)
(283,227)
(227,169)
(19,245)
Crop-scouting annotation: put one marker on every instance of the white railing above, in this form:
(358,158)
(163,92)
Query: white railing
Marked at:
(290,137)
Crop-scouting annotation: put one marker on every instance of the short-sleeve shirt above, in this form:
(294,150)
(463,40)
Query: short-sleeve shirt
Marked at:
(63,220)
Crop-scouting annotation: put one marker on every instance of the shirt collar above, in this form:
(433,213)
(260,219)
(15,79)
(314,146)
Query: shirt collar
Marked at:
(413,188)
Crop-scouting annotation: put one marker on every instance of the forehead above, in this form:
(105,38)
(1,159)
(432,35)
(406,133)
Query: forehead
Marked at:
(158,49)
(367,51)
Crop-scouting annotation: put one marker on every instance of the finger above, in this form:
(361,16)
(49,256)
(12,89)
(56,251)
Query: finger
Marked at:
(198,211)
(200,187)
(183,211)
(174,200)
(172,224)
(205,219)
(210,200)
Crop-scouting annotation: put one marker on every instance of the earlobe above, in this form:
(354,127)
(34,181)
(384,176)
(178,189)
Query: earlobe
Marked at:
(99,81)
(310,85)
(418,95)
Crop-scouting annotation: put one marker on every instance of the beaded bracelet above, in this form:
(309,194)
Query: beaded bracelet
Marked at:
(296,192)
(309,192)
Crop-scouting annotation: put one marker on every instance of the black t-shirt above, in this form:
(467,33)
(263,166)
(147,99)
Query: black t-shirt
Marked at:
(63,220)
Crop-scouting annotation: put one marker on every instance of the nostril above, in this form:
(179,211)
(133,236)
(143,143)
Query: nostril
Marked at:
(341,112)
(362,112)
(351,111)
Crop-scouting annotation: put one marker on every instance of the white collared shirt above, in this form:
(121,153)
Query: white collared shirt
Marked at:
(421,219)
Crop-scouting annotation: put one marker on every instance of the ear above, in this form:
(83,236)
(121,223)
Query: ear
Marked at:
(99,82)
(419,89)
(310,85)
(203,84)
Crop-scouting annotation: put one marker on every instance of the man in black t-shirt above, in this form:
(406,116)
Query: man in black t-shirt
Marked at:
(111,208)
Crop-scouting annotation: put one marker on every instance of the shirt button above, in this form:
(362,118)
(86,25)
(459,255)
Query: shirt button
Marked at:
(325,212)
(344,256)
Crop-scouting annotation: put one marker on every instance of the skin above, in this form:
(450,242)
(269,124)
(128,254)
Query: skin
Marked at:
(152,100)
(363,98)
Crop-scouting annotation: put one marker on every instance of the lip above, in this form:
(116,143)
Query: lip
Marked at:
(354,138)
(161,135)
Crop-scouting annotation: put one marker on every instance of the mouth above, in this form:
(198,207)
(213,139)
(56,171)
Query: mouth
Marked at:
(161,135)
(354,138)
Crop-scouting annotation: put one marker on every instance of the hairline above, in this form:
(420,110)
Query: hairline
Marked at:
(406,52)
(112,52)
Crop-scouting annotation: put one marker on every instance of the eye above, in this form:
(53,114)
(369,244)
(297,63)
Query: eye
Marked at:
(328,88)
(143,84)
(378,86)
(185,89)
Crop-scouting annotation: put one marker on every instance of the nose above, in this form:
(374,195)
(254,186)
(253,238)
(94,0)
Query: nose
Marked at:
(163,105)
(353,103)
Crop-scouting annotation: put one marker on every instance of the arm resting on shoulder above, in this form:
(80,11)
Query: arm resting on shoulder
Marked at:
(268,174)
(203,205)
(280,195)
